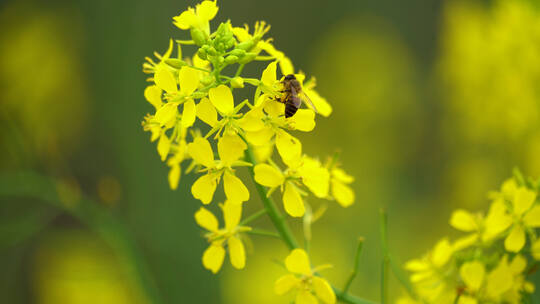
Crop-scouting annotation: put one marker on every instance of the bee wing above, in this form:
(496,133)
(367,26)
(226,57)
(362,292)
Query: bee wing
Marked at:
(307,100)
(295,99)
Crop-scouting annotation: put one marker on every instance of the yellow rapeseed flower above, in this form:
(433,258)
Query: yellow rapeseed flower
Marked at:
(310,289)
(198,17)
(230,149)
(228,236)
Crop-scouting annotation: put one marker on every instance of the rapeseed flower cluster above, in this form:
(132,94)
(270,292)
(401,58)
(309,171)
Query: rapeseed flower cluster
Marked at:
(491,263)
(201,126)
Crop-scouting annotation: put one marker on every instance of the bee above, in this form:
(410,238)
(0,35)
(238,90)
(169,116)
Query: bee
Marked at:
(293,96)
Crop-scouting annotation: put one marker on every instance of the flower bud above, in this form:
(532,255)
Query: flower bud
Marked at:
(247,58)
(237,82)
(211,51)
(198,36)
(238,53)
(175,63)
(202,53)
(208,79)
(246,45)
(221,59)
(231,59)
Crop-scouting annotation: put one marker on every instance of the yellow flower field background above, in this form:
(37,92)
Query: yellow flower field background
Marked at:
(147,158)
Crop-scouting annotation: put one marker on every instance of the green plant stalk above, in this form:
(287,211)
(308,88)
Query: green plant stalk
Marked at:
(252,217)
(384,263)
(285,232)
(354,271)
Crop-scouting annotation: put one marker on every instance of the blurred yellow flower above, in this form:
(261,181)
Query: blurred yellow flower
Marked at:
(310,289)
(429,274)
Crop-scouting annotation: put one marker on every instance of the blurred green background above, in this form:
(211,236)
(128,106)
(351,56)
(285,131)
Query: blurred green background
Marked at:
(434,103)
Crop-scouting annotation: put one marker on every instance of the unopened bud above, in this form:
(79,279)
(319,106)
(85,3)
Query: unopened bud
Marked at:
(175,63)
(237,82)
(247,58)
(231,59)
(198,36)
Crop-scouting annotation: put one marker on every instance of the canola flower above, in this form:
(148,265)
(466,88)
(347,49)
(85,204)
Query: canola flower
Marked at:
(490,264)
(202,127)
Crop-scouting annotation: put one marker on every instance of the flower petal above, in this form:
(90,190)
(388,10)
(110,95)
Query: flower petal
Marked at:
(292,201)
(285,283)
(535,248)
(463,220)
(174,176)
(189,114)
(343,194)
(207,112)
(164,79)
(189,80)
(201,151)
(298,262)
(206,219)
(320,103)
(289,148)
(496,221)
(305,297)
(166,113)
(532,218)
(274,108)
(268,176)
(472,274)
(416,265)
(237,253)
(286,66)
(315,177)
(268,77)
(207,10)
(323,290)
(252,120)
(186,19)
(499,279)
(518,264)
(213,256)
(303,120)
(342,176)
(232,213)
(231,148)
(465,299)
(441,253)
(235,190)
(222,98)
(523,200)
(261,137)
(515,240)
(203,188)
(153,96)
(163,146)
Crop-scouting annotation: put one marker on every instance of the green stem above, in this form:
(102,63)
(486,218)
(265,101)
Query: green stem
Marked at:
(389,259)
(384,280)
(252,217)
(100,220)
(384,264)
(354,271)
(263,233)
(239,71)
